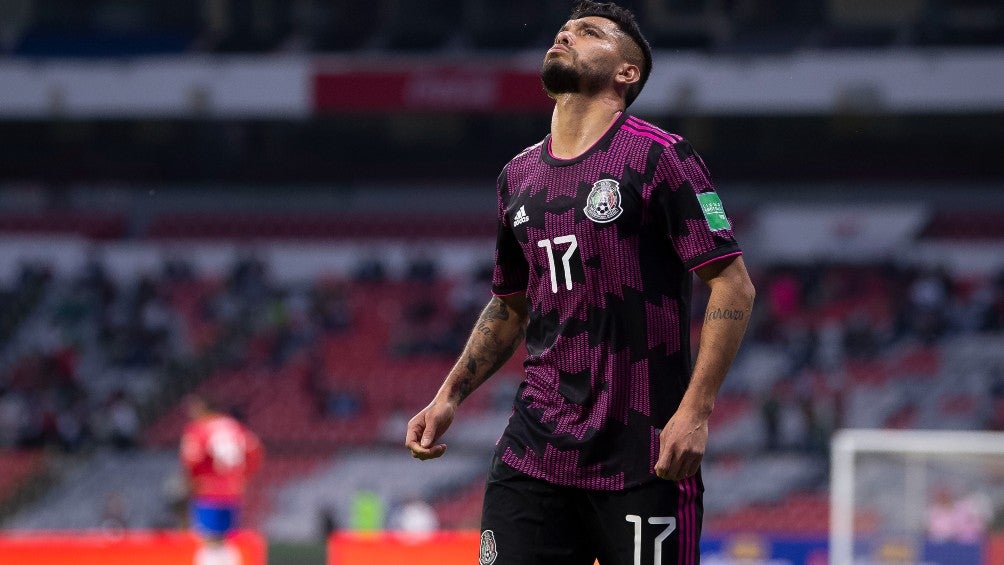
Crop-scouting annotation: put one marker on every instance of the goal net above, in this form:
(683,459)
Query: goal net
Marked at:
(923,497)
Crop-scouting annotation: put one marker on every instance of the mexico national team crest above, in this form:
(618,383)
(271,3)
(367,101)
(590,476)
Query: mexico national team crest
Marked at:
(488,549)
(604,201)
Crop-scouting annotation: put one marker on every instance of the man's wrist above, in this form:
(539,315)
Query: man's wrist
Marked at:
(448,398)
(700,408)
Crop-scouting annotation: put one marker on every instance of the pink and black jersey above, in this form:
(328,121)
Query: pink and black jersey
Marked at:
(604,245)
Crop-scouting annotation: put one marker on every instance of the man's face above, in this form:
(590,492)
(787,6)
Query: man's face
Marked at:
(584,56)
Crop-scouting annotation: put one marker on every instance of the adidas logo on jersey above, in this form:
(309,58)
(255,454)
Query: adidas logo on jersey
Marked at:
(521,217)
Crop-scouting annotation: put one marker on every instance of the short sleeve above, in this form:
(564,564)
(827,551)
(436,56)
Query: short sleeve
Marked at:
(689,209)
(511,272)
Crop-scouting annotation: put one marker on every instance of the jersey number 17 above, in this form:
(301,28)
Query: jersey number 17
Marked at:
(566,259)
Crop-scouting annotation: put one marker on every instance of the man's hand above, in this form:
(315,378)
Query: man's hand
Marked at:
(426,427)
(681,446)
(497,333)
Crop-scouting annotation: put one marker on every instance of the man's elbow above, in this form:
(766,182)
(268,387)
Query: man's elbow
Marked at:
(747,290)
(737,283)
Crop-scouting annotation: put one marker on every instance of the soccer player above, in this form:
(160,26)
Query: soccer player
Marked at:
(219,455)
(600,226)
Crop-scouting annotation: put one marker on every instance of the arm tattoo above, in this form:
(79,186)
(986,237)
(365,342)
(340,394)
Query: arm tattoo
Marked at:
(725,314)
(492,343)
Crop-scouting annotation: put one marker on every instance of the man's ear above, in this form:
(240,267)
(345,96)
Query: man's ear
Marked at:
(628,74)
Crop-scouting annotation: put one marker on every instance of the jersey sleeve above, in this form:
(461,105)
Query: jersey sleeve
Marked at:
(689,209)
(511,272)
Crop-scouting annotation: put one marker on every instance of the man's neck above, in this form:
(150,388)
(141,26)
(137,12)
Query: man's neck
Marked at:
(579,122)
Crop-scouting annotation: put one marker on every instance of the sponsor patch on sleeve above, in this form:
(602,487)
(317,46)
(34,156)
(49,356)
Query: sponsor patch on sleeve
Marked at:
(713,210)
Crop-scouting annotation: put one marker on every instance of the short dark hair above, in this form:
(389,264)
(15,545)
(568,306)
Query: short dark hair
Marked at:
(624,18)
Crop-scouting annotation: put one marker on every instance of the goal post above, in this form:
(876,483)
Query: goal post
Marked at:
(883,483)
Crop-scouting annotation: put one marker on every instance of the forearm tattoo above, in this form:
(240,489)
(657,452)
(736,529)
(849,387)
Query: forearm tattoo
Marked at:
(497,334)
(725,314)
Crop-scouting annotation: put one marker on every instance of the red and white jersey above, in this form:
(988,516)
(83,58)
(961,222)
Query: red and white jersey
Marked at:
(220,455)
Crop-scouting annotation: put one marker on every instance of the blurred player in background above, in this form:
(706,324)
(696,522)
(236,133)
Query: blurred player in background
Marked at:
(219,456)
(600,226)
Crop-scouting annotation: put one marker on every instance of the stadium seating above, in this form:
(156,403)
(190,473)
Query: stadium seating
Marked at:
(303,506)
(947,224)
(90,225)
(461,510)
(109,489)
(328,370)
(17,469)
(145,28)
(262,226)
(210,273)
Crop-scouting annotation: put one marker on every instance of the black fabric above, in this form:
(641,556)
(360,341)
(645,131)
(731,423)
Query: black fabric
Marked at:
(533,522)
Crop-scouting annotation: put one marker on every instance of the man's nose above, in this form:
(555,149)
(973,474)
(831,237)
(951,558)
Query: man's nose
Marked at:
(564,38)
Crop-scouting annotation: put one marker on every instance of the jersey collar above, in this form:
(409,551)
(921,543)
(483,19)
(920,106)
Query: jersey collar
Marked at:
(601,143)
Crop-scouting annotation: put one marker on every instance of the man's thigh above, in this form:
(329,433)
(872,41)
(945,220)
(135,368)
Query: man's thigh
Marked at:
(658,523)
(526,521)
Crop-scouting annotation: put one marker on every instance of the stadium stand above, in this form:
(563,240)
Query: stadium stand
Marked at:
(90,225)
(112,489)
(328,369)
(324,319)
(110,28)
(310,226)
(18,470)
(303,506)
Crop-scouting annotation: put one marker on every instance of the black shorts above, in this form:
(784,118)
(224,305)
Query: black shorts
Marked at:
(527,521)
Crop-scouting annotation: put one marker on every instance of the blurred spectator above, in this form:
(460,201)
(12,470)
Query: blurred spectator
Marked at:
(370,270)
(415,516)
(331,307)
(329,521)
(367,511)
(122,421)
(817,433)
(770,413)
(114,515)
(14,417)
(420,332)
(801,344)
(248,280)
(994,320)
(177,270)
(929,296)
(995,420)
(830,351)
(313,382)
(860,340)
(71,426)
(421,269)
(343,404)
(961,520)
(175,495)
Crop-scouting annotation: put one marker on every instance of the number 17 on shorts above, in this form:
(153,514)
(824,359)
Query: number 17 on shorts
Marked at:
(670,526)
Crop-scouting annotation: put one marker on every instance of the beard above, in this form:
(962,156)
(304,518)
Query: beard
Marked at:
(561,78)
